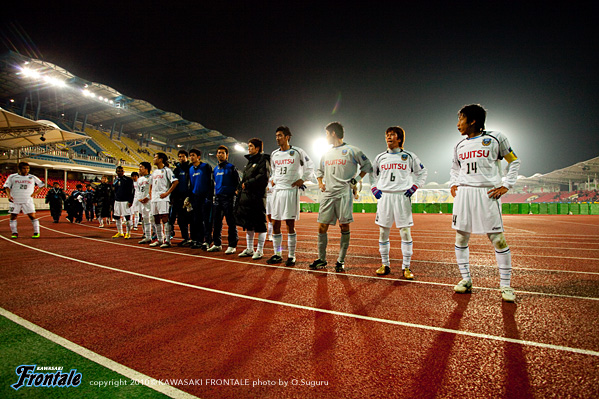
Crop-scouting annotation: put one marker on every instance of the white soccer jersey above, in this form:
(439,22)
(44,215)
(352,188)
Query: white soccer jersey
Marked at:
(21,187)
(477,162)
(397,170)
(161,182)
(339,165)
(290,166)
(142,187)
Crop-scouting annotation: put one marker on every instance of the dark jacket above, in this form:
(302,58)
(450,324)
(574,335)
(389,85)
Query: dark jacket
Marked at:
(103,195)
(251,206)
(123,189)
(55,198)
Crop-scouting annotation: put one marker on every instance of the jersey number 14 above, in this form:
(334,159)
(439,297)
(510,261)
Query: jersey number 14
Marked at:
(471,167)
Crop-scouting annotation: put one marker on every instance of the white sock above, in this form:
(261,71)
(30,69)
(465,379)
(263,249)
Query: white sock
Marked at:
(159,234)
(291,244)
(249,239)
(384,245)
(36,226)
(261,239)
(167,233)
(406,251)
(119,226)
(13,226)
(277,243)
(128,225)
(462,255)
(504,261)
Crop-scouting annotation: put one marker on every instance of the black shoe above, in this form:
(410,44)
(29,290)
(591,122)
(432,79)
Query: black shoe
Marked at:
(290,262)
(195,245)
(204,246)
(182,243)
(318,264)
(274,259)
(340,267)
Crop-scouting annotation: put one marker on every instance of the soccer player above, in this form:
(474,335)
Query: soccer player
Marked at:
(135,207)
(291,167)
(123,199)
(162,184)
(476,183)
(142,201)
(20,189)
(336,173)
(251,210)
(397,174)
(178,211)
(226,180)
(202,189)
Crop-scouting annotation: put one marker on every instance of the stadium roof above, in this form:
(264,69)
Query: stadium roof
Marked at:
(579,172)
(40,89)
(17,131)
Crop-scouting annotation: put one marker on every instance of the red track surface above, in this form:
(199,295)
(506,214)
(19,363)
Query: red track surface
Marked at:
(223,317)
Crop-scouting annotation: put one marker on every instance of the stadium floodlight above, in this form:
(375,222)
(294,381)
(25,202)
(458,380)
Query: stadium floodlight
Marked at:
(319,147)
(30,73)
(239,148)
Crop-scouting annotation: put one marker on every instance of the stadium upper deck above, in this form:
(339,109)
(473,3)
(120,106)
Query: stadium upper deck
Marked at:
(40,90)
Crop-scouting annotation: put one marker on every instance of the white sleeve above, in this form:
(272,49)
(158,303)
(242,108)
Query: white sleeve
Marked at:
(308,168)
(454,173)
(420,172)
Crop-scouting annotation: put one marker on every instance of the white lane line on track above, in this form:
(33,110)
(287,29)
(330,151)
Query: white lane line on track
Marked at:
(97,358)
(327,311)
(345,274)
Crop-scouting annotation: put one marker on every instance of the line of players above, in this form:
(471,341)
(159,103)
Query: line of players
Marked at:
(476,183)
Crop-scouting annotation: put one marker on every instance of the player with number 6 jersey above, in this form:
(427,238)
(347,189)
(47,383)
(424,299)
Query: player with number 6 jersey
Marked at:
(397,174)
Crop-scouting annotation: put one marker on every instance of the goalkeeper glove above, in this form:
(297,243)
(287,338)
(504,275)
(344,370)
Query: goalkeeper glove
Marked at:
(376,192)
(411,191)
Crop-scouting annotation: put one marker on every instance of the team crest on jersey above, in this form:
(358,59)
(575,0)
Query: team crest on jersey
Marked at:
(344,152)
(404,157)
(486,142)
(363,157)
(291,152)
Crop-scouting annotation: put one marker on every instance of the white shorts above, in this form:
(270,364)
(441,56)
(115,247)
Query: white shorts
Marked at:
(160,207)
(285,204)
(137,206)
(338,208)
(18,207)
(474,212)
(394,207)
(121,208)
(269,204)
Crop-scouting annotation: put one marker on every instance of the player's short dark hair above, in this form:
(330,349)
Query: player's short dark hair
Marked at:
(22,165)
(147,165)
(257,143)
(474,112)
(182,152)
(119,167)
(134,174)
(224,148)
(79,186)
(162,155)
(196,151)
(286,131)
(56,183)
(401,134)
(337,128)
(87,185)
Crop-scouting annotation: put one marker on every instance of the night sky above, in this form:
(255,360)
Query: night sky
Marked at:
(244,68)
